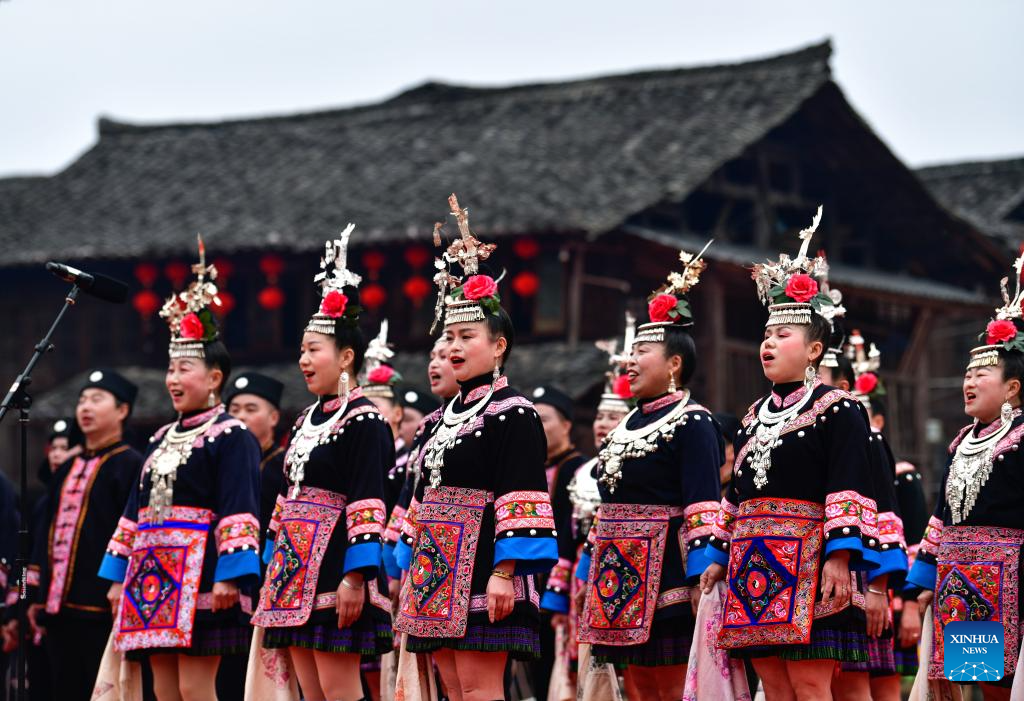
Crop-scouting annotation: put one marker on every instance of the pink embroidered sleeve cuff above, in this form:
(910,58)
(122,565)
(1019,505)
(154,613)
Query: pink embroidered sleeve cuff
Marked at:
(237,532)
(364,520)
(525,513)
(123,539)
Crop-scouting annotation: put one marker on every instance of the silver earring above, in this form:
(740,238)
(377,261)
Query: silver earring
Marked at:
(343,385)
(1006,413)
(671,384)
(211,400)
(496,374)
(810,375)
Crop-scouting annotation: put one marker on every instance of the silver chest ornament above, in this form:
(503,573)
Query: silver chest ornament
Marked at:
(768,428)
(309,437)
(585,498)
(446,434)
(174,451)
(971,467)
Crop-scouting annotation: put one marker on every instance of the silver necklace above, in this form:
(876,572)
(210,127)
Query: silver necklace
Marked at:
(971,467)
(768,429)
(585,497)
(446,432)
(174,451)
(623,444)
(309,437)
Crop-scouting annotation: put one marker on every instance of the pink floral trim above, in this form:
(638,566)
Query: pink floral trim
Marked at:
(335,404)
(74,495)
(365,517)
(793,397)
(495,408)
(394,527)
(890,529)
(122,541)
(525,509)
(12,597)
(520,593)
(275,518)
(479,392)
(1010,441)
(32,576)
(700,519)
(724,521)
(850,509)
(237,531)
(959,437)
(559,577)
(193,421)
(932,537)
(409,522)
(660,403)
(204,602)
(672,597)
(216,430)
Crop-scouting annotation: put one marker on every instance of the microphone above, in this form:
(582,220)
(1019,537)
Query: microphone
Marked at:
(106,288)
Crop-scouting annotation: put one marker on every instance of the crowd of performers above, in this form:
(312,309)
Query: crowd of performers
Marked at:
(464,548)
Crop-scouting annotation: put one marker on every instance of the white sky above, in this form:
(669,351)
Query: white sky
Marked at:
(938,80)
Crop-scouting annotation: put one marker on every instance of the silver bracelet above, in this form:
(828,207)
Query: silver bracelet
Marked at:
(345,583)
(876,591)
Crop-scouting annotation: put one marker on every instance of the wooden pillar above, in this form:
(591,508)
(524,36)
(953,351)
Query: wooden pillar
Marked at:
(575,293)
(714,366)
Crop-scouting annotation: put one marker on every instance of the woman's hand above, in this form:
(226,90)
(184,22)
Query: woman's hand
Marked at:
(500,594)
(877,612)
(910,624)
(559,620)
(835,578)
(114,597)
(714,574)
(924,599)
(351,597)
(225,595)
(38,631)
(695,594)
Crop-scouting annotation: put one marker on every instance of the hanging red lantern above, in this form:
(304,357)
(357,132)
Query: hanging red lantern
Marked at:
(223,303)
(416,256)
(146,302)
(526,284)
(176,272)
(146,274)
(374,261)
(526,248)
(271,265)
(224,268)
(372,296)
(416,289)
(270,298)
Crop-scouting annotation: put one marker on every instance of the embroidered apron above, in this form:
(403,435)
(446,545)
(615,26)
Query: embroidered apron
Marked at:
(288,595)
(977,579)
(625,573)
(773,573)
(436,597)
(161,587)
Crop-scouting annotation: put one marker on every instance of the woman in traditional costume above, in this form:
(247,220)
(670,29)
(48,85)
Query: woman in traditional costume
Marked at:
(584,497)
(323,598)
(186,549)
(968,564)
(799,515)
(483,519)
(657,474)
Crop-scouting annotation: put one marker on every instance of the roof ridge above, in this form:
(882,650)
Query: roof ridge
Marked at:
(972,167)
(430,91)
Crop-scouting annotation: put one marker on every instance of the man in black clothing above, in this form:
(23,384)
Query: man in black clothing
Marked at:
(85,499)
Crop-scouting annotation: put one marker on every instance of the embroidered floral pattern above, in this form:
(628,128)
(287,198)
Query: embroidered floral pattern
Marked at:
(625,573)
(724,521)
(932,537)
(660,403)
(849,509)
(558,580)
(978,579)
(435,600)
(364,519)
(158,605)
(394,527)
(237,531)
(479,392)
(890,529)
(524,509)
(700,519)
(275,517)
(289,588)
(773,573)
(124,538)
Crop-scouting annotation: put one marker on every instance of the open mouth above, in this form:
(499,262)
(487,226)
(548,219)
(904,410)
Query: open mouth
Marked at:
(767,357)
(177,395)
(631,375)
(308,375)
(969,396)
(435,378)
(456,361)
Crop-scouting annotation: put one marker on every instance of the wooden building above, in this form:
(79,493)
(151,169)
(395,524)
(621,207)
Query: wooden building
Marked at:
(589,187)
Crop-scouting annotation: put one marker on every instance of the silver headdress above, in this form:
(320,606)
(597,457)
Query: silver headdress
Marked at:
(333,277)
(617,396)
(998,334)
(455,303)
(188,313)
(661,308)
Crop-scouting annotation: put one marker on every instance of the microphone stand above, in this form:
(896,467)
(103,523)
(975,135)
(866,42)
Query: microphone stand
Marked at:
(18,398)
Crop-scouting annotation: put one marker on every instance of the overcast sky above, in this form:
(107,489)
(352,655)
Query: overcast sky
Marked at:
(938,80)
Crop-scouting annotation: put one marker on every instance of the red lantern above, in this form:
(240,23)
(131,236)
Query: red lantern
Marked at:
(417,257)
(525,284)
(224,268)
(145,302)
(526,248)
(374,261)
(271,298)
(372,296)
(416,289)
(227,303)
(271,265)
(176,272)
(146,274)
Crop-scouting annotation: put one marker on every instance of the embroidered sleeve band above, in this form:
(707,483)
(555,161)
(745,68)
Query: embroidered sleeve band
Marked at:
(365,520)
(849,512)
(699,520)
(524,511)
(929,546)
(394,528)
(123,539)
(237,532)
(275,518)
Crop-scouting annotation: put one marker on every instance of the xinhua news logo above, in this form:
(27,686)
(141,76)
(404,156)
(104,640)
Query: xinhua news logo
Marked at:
(973,651)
